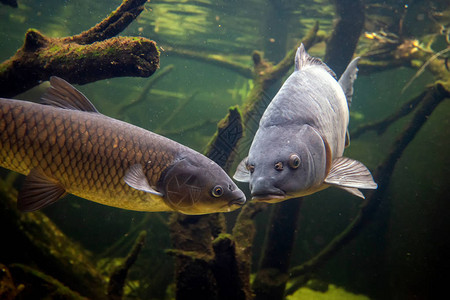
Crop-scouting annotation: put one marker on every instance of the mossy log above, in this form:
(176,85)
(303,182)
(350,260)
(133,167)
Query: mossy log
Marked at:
(243,233)
(272,275)
(222,148)
(120,273)
(192,239)
(207,265)
(87,57)
(38,242)
(8,288)
(203,253)
(37,285)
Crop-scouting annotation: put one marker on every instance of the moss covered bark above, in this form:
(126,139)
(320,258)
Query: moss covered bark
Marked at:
(90,56)
(40,243)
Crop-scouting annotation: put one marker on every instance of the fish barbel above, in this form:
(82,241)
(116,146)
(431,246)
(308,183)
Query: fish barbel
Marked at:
(67,146)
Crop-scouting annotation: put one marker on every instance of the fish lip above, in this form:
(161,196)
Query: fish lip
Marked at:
(266,197)
(238,201)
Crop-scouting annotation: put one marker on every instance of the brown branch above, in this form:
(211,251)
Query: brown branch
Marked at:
(348,28)
(120,273)
(222,146)
(187,128)
(87,57)
(431,99)
(111,26)
(144,93)
(265,74)
(179,108)
(272,276)
(33,282)
(43,245)
(243,233)
(192,238)
(381,126)
(216,59)
(202,255)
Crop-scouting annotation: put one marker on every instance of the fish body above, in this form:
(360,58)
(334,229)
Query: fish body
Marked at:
(299,145)
(67,146)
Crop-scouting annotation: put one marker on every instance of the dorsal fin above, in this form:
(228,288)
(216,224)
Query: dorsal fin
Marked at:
(63,95)
(303,59)
(347,79)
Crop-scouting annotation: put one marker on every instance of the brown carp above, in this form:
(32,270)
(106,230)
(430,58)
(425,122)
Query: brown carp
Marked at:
(300,141)
(67,146)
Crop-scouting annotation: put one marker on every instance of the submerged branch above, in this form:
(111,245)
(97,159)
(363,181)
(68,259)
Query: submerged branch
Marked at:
(90,56)
(111,26)
(265,74)
(120,273)
(381,126)
(431,99)
(243,233)
(144,93)
(271,278)
(179,108)
(348,28)
(222,147)
(46,247)
(216,59)
(35,283)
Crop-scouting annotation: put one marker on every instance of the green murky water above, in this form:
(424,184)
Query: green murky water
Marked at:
(398,251)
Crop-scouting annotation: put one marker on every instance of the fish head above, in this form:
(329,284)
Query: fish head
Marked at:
(284,163)
(197,185)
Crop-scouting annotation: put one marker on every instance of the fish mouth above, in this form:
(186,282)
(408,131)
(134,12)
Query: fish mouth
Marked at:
(238,201)
(271,198)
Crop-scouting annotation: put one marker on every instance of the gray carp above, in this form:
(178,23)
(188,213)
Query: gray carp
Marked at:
(299,145)
(67,146)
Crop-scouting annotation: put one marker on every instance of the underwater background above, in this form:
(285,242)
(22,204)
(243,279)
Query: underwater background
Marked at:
(393,245)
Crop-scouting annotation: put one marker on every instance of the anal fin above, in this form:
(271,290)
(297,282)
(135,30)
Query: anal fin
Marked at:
(39,191)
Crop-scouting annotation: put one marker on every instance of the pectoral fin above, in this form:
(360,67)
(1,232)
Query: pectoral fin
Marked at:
(350,175)
(136,178)
(39,191)
(353,191)
(242,174)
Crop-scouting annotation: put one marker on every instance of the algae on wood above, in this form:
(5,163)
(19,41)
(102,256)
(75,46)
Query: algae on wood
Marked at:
(40,243)
(90,56)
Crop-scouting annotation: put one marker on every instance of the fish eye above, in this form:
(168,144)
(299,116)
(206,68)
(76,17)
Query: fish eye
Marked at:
(250,168)
(217,191)
(279,166)
(294,161)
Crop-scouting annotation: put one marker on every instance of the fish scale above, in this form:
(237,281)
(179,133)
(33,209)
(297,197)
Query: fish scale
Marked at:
(299,145)
(67,146)
(61,143)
